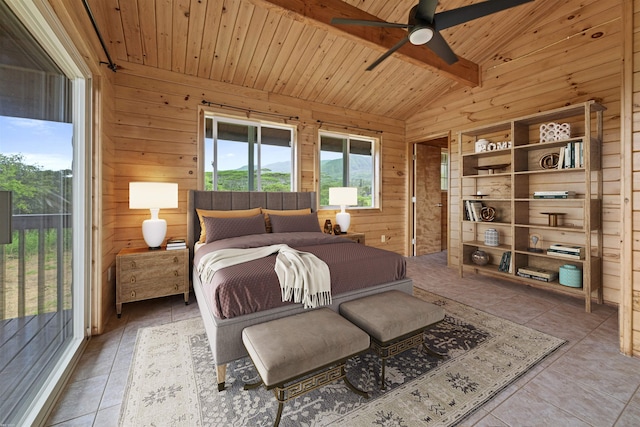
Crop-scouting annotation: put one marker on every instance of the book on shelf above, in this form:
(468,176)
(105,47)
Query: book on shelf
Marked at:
(476,208)
(538,272)
(559,254)
(561,158)
(534,277)
(505,262)
(473,210)
(571,155)
(567,248)
(563,194)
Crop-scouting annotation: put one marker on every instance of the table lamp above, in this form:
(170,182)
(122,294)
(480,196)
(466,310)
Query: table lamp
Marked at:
(343,196)
(153,196)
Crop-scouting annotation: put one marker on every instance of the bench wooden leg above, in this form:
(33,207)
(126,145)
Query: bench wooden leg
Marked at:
(221,371)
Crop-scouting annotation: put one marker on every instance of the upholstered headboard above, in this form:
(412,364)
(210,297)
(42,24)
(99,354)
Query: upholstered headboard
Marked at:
(234,200)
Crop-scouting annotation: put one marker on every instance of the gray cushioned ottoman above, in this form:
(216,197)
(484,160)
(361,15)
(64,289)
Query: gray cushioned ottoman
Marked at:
(286,351)
(395,321)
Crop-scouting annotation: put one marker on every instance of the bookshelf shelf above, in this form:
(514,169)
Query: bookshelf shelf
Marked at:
(528,167)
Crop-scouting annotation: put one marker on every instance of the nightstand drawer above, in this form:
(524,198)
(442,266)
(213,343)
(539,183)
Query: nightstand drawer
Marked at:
(149,289)
(152,261)
(150,273)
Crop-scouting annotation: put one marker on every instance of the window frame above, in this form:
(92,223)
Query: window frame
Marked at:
(376,191)
(258,123)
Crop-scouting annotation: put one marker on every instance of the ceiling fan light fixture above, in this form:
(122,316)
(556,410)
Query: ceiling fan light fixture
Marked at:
(420,35)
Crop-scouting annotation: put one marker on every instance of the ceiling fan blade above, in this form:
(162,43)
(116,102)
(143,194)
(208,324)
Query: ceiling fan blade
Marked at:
(426,10)
(388,53)
(347,21)
(441,48)
(450,18)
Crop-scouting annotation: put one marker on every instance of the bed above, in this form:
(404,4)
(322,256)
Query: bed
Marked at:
(226,313)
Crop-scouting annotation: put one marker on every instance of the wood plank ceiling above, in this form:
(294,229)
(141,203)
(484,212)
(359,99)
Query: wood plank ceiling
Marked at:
(255,44)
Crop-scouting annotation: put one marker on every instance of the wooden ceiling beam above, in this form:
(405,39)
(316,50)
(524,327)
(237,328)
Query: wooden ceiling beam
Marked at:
(320,12)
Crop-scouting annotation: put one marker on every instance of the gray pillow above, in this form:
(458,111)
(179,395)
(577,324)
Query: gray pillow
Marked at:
(224,228)
(294,223)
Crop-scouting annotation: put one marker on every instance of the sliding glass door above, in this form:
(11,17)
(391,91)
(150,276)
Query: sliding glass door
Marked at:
(42,260)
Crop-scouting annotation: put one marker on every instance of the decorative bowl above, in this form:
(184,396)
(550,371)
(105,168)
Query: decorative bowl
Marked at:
(480,257)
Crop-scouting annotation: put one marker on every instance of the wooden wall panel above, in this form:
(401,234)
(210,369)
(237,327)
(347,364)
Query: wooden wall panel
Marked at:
(630,183)
(545,72)
(155,137)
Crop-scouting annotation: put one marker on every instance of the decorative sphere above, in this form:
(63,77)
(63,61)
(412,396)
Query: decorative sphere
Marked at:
(480,257)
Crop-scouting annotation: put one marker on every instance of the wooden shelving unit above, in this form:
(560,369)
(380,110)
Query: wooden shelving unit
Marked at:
(509,189)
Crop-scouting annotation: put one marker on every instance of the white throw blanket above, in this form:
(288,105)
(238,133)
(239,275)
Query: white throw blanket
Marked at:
(303,277)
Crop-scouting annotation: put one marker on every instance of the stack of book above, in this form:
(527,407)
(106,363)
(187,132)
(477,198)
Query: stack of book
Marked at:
(173,244)
(473,210)
(505,262)
(565,251)
(571,156)
(562,194)
(537,273)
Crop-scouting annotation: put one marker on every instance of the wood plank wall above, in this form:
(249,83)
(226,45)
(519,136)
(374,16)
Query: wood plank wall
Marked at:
(570,59)
(630,324)
(155,136)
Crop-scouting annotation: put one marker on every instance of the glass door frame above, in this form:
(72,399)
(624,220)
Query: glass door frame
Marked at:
(40,19)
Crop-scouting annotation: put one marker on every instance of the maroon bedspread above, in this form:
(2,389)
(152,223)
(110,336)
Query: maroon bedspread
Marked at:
(253,286)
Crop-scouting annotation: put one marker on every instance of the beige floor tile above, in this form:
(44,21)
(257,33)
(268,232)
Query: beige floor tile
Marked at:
(527,409)
(84,421)
(583,402)
(114,390)
(80,398)
(107,417)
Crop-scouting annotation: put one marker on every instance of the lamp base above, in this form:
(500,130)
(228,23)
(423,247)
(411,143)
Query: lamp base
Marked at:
(154,231)
(343,219)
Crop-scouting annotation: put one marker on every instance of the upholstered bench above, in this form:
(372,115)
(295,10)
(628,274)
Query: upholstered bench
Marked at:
(300,353)
(395,321)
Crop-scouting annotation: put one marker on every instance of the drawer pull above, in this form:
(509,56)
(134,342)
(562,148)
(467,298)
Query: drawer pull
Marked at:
(133,294)
(132,279)
(176,273)
(175,259)
(133,264)
(176,286)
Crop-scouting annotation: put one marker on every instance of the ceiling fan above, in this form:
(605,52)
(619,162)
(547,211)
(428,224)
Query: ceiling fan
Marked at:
(424,25)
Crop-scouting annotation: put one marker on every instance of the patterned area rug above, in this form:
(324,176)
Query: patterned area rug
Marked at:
(172,380)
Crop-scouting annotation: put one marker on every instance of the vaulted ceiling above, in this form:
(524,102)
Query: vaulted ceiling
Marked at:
(289,47)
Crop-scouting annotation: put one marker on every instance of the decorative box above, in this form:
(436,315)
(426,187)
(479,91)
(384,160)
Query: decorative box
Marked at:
(491,237)
(550,132)
(571,276)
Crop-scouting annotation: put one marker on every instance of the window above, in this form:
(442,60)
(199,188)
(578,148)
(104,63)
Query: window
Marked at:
(444,170)
(349,161)
(241,155)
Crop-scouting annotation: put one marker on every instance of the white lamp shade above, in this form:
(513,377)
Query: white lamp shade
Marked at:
(153,196)
(150,195)
(343,196)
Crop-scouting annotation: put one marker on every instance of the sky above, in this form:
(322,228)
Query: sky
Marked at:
(45,144)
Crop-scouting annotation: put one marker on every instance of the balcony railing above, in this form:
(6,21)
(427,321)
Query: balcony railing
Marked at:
(40,245)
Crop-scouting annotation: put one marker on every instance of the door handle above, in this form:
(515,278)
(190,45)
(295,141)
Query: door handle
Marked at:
(439,205)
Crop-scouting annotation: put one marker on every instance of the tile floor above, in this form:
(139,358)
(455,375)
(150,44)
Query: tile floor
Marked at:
(586,383)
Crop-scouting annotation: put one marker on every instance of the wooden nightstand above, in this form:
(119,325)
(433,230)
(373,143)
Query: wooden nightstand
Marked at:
(143,274)
(356,237)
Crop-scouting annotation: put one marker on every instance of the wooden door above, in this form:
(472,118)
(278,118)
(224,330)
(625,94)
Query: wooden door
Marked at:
(428,200)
